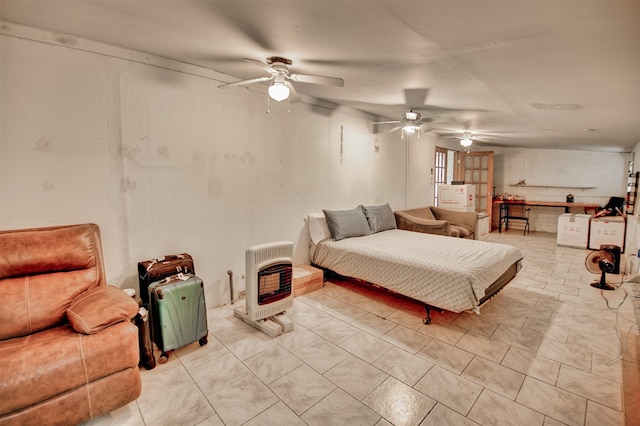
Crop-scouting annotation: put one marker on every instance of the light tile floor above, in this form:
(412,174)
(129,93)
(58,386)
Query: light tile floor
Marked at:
(544,351)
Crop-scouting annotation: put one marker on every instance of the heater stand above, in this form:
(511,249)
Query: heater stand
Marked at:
(272,326)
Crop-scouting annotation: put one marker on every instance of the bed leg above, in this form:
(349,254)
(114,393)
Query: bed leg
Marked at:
(427,320)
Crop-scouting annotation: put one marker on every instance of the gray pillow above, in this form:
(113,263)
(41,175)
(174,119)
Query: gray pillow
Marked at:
(347,223)
(380,218)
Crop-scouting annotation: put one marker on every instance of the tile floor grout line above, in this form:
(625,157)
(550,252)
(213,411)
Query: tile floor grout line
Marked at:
(573,314)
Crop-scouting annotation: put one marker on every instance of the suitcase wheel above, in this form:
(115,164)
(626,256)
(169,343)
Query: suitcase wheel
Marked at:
(203,341)
(164,358)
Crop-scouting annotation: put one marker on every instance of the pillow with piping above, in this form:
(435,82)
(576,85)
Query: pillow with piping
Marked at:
(380,218)
(347,223)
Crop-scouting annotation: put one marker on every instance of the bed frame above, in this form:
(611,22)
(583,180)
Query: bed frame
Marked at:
(491,291)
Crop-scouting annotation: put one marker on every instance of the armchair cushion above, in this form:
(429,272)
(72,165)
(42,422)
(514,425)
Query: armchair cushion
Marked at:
(408,222)
(421,212)
(100,307)
(53,363)
(434,220)
(466,219)
(461,231)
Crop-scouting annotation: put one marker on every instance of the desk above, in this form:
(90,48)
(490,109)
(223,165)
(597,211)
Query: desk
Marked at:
(504,207)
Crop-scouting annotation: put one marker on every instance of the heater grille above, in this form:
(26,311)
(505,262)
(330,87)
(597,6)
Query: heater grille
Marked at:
(274,283)
(269,271)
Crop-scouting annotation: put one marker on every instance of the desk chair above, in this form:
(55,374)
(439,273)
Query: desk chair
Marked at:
(515,211)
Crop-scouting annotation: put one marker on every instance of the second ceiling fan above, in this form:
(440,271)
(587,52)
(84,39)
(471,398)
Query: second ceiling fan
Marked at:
(465,136)
(411,122)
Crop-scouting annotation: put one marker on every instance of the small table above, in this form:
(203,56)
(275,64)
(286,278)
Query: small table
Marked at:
(504,207)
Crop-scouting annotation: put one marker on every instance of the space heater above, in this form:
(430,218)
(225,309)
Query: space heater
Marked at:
(269,285)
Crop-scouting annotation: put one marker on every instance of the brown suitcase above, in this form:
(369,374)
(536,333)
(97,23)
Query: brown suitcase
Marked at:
(154,270)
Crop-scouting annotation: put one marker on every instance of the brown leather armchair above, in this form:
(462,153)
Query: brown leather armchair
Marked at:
(68,350)
(434,220)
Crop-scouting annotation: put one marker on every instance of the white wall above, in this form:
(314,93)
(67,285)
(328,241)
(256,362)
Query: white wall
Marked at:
(165,162)
(552,174)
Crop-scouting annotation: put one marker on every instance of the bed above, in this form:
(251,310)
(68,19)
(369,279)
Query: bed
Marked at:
(438,271)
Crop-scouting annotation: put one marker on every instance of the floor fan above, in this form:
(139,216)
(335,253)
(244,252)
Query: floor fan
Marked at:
(602,262)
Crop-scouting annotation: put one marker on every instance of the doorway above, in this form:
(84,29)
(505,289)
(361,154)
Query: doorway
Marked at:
(477,169)
(444,169)
(474,168)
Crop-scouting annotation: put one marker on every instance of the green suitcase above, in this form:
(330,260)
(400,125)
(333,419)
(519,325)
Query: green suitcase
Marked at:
(178,313)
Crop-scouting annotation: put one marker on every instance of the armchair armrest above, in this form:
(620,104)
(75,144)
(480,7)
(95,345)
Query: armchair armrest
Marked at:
(418,224)
(100,307)
(469,219)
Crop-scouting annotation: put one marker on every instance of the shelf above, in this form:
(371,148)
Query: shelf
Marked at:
(552,186)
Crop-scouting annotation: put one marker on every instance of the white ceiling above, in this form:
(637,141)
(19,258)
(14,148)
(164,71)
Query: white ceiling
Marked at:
(525,73)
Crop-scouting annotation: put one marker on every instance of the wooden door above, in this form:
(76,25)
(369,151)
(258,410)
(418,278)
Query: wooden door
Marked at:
(477,169)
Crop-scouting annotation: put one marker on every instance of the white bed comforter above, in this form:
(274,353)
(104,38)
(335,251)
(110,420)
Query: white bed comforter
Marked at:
(444,272)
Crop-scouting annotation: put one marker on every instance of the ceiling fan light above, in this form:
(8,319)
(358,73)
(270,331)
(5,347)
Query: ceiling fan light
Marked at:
(410,128)
(411,115)
(278,91)
(466,141)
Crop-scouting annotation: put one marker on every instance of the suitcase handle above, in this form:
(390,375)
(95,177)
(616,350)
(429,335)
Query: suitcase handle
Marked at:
(178,276)
(171,257)
(165,258)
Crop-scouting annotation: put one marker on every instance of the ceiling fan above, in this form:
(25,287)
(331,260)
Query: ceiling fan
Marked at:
(411,122)
(465,136)
(281,77)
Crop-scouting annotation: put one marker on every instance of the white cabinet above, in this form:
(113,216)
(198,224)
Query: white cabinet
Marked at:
(573,230)
(482,227)
(607,230)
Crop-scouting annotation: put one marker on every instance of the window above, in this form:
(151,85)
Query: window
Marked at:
(440,171)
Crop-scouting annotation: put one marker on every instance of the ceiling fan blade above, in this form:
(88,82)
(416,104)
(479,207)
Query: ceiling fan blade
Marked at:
(387,122)
(293,96)
(443,119)
(317,79)
(439,110)
(245,82)
(459,136)
(248,25)
(415,97)
(393,129)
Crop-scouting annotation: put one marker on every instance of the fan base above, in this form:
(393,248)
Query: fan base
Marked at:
(601,286)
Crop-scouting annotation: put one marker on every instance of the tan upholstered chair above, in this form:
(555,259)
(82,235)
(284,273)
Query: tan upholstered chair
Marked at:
(68,350)
(434,220)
